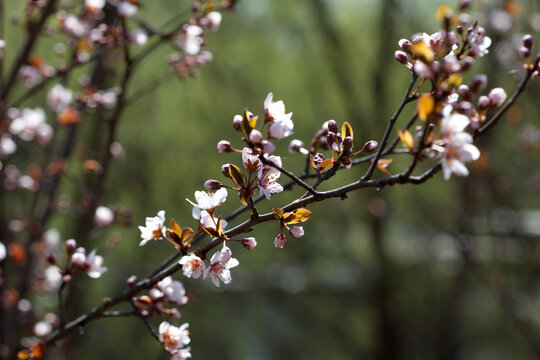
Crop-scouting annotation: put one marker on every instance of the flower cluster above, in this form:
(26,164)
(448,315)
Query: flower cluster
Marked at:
(78,261)
(443,58)
(286,219)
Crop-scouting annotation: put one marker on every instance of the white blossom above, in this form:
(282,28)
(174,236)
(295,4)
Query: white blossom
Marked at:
(126,9)
(94,265)
(7,145)
(59,97)
(173,337)
(94,5)
(153,229)
(104,216)
(193,266)
(191,40)
(268,177)
(173,290)
(282,124)
(27,125)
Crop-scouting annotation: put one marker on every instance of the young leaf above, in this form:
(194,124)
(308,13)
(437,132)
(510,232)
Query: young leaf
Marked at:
(346,130)
(236,175)
(406,138)
(301,215)
(421,51)
(426,105)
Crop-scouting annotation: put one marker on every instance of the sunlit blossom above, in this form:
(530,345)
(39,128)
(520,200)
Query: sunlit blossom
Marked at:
(153,229)
(173,337)
(268,178)
(193,266)
(281,125)
(220,265)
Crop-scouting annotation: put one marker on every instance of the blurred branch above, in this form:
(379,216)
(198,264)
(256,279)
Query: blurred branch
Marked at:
(34,31)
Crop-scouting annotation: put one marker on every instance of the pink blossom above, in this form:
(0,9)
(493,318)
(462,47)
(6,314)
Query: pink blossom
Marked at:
(220,265)
(193,266)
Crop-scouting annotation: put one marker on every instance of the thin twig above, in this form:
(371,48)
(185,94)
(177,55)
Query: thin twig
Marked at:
(495,118)
(406,99)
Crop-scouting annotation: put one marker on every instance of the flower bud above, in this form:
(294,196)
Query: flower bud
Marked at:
(296,231)
(483,102)
(463,4)
(401,57)
(347,143)
(155,294)
(497,96)
(67,278)
(464,91)
(255,137)
(467,63)
(331,125)
(224,146)
(280,240)
(339,138)
(295,145)
(527,41)
(104,216)
(237,122)
(370,146)
(79,257)
(131,281)
(330,138)
(267,147)
(524,52)
(71,245)
(212,185)
(51,258)
(478,82)
(225,170)
(405,45)
(249,243)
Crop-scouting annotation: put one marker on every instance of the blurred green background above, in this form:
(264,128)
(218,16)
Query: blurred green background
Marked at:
(445,270)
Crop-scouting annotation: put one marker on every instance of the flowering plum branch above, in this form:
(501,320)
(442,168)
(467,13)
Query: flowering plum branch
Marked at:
(446,110)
